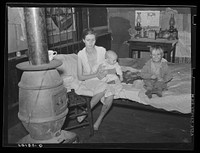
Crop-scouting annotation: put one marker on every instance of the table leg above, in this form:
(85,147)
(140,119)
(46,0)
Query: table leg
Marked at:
(130,53)
(138,54)
(169,56)
(174,53)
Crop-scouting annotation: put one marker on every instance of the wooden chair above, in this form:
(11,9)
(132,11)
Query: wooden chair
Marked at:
(79,105)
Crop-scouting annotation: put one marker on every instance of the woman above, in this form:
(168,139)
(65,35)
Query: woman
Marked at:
(91,73)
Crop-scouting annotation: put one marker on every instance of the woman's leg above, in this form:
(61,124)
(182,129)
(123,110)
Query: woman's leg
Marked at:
(95,99)
(108,103)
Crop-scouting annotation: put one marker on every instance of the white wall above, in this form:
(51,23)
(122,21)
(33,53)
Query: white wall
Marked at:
(183,25)
(16,30)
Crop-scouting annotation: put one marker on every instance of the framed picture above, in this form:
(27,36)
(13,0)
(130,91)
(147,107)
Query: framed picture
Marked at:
(148,18)
(152,34)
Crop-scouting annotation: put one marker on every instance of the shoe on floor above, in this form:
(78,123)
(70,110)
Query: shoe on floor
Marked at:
(81,118)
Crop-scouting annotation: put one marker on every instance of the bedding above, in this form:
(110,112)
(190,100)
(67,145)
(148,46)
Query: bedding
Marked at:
(176,98)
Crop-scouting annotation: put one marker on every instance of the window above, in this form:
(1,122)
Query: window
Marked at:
(61,25)
(65,26)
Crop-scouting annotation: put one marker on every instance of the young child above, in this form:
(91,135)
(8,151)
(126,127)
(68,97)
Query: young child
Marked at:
(113,80)
(156,73)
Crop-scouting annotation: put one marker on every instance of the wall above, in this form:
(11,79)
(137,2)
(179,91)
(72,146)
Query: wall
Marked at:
(17,42)
(16,30)
(121,19)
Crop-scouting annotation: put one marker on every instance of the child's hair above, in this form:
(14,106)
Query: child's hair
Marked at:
(110,53)
(157,47)
(88,31)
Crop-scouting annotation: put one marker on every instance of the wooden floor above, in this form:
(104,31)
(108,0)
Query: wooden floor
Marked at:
(123,127)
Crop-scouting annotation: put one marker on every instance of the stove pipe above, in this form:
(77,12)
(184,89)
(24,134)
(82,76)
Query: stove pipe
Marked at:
(36,35)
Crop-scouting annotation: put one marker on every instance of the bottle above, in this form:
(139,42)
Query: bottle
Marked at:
(172,20)
(160,33)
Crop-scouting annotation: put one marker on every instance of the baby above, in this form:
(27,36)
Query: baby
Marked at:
(113,80)
(156,73)
(111,63)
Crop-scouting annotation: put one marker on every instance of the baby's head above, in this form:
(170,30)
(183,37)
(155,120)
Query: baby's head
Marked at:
(111,57)
(156,53)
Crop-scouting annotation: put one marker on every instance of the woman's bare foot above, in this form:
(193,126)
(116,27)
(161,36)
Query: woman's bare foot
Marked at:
(97,124)
(96,128)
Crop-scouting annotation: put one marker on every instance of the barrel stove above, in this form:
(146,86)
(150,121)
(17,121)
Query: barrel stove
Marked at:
(42,97)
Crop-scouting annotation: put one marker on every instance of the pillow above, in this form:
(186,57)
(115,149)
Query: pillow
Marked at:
(69,64)
(134,63)
(68,70)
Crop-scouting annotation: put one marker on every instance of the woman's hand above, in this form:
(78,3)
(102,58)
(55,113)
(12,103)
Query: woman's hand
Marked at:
(100,68)
(101,74)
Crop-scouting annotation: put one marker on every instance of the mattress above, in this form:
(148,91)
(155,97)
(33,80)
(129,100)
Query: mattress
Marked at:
(178,97)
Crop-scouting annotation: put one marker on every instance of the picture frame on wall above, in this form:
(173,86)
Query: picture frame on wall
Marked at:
(148,18)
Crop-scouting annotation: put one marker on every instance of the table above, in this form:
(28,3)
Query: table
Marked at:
(143,45)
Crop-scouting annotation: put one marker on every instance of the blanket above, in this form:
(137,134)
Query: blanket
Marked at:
(176,98)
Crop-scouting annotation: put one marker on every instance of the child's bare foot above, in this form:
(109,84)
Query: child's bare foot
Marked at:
(148,93)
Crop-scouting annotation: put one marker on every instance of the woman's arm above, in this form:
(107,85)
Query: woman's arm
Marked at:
(100,74)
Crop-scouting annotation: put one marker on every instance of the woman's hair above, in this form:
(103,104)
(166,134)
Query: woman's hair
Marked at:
(157,47)
(88,31)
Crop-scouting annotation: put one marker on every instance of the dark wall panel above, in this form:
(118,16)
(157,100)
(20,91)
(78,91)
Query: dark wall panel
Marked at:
(98,17)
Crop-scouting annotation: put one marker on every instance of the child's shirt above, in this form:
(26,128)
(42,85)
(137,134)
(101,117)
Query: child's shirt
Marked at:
(162,72)
(112,77)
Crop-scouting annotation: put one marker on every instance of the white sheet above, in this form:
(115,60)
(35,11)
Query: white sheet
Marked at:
(177,98)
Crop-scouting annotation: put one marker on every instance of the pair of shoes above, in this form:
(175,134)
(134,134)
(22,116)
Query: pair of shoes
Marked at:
(81,118)
(148,93)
